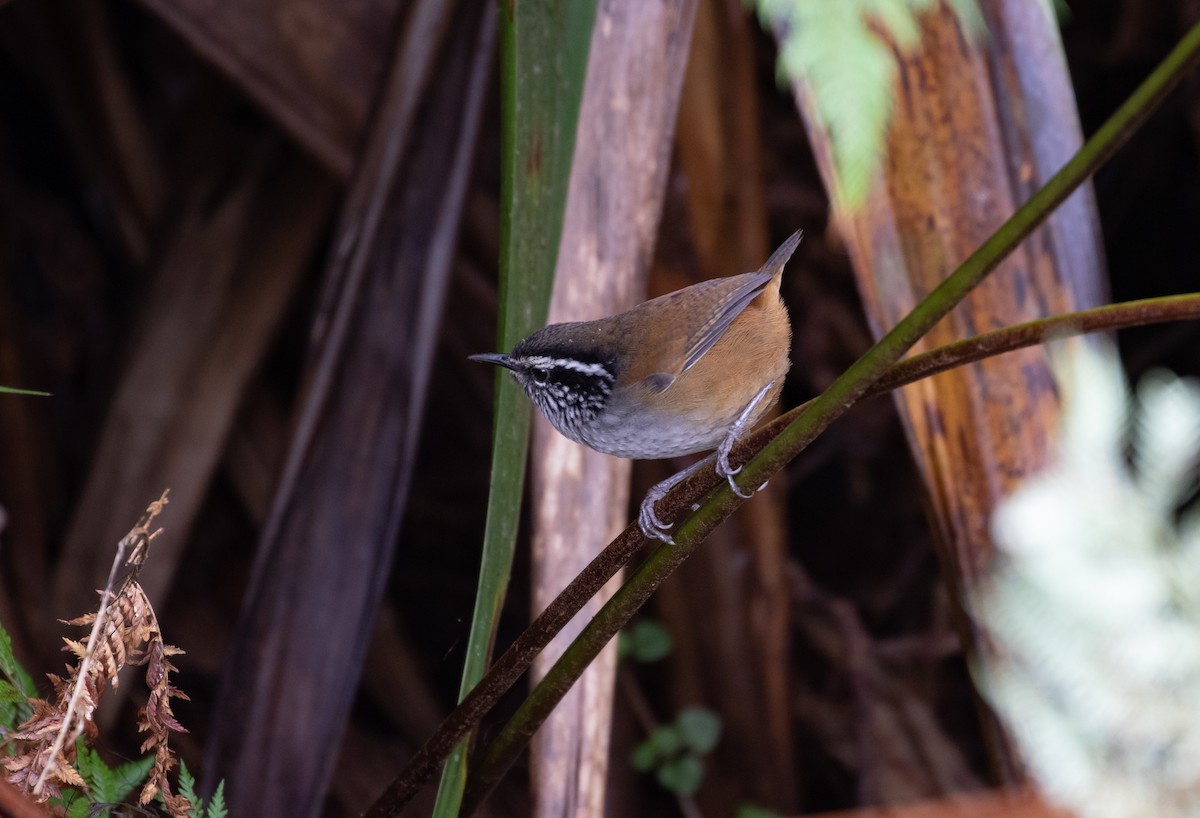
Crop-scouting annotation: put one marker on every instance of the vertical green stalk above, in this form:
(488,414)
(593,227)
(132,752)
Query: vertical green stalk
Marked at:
(543,60)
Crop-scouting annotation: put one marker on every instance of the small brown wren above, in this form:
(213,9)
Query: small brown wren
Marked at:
(685,372)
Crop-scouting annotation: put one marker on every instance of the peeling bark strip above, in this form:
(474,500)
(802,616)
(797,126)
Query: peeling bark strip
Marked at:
(968,142)
(326,551)
(622,153)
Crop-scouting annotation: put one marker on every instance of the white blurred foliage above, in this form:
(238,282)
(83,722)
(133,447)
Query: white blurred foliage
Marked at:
(1094,605)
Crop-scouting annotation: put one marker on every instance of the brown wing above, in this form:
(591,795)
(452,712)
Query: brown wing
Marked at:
(738,292)
(675,330)
(706,311)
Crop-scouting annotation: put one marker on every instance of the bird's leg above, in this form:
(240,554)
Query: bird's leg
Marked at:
(650,523)
(735,431)
(653,527)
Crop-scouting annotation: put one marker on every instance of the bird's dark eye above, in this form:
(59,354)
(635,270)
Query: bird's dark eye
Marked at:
(540,376)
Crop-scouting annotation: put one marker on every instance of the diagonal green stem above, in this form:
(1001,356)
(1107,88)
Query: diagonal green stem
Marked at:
(517,659)
(840,396)
(519,656)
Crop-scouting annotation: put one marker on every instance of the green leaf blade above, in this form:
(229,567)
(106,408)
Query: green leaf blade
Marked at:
(544,48)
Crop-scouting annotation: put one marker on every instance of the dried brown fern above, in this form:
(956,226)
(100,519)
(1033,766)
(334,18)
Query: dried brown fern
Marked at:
(124,632)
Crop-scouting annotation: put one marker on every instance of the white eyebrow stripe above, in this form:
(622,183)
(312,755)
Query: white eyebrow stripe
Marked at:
(582,367)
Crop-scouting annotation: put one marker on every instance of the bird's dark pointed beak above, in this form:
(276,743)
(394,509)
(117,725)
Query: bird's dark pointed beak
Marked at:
(498,358)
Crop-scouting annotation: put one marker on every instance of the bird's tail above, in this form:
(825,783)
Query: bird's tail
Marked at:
(779,258)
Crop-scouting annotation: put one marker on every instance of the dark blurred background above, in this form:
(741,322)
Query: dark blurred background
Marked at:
(171,178)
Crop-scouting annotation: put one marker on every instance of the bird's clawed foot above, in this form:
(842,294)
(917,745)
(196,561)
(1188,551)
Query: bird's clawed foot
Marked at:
(726,447)
(726,471)
(648,520)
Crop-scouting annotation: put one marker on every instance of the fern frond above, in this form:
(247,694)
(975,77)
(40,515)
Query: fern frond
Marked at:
(841,51)
(1094,606)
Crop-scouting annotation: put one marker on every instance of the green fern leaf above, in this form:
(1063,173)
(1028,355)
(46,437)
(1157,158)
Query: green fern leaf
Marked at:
(842,53)
(216,807)
(187,788)
(11,668)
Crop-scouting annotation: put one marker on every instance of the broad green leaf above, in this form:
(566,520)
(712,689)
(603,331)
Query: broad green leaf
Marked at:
(666,741)
(645,757)
(682,775)
(700,729)
(646,641)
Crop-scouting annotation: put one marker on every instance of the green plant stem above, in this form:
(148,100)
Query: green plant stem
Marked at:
(519,656)
(1160,310)
(831,404)
(8,390)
